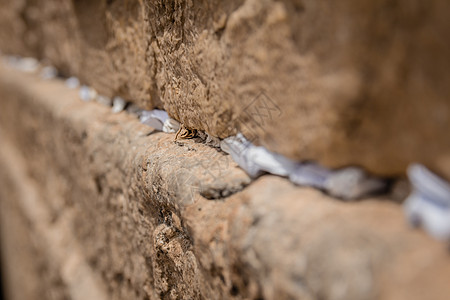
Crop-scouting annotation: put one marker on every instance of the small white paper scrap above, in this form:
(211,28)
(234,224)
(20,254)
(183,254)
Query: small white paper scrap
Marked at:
(87,94)
(72,82)
(154,118)
(118,104)
(429,203)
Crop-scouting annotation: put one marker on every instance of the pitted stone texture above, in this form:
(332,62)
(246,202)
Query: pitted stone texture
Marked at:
(101,187)
(345,83)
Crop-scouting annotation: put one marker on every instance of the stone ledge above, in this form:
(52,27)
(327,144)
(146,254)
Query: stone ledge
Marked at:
(356,83)
(117,191)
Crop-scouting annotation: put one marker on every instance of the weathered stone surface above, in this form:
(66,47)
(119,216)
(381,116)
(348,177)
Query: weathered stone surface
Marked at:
(349,82)
(103,199)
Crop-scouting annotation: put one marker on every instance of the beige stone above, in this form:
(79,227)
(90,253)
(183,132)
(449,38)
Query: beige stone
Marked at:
(349,83)
(100,205)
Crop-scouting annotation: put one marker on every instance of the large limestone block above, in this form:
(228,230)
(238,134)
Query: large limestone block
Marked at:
(95,205)
(344,83)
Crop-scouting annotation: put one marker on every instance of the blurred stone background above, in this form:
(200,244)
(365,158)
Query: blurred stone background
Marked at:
(94,205)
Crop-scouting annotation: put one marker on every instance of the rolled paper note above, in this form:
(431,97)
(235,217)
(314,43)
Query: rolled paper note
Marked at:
(48,72)
(310,174)
(428,205)
(352,183)
(348,183)
(270,162)
(87,94)
(154,118)
(237,146)
(256,160)
(26,64)
(170,125)
(72,82)
(118,104)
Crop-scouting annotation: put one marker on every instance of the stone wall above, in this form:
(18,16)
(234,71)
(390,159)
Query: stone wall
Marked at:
(95,205)
(345,83)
